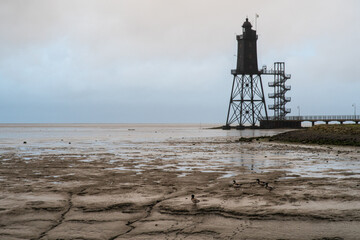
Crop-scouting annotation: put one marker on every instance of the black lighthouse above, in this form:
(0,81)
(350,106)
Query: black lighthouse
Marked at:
(247,102)
(247,54)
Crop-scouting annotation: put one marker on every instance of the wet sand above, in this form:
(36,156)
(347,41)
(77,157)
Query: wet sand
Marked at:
(143,191)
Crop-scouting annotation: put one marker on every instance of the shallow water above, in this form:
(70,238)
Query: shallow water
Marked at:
(183,148)
(59,138)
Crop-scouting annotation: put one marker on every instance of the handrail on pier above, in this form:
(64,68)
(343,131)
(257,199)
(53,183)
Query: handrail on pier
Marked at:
(325,118)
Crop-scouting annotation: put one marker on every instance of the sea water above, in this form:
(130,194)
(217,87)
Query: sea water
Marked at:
(181,147)
(109,136)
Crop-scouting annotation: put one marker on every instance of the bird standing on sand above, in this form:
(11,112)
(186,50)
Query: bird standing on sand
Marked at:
(194,200)
(236,185)
(268,187)
(260,182)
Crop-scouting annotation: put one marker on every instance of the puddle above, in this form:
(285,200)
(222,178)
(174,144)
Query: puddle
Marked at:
(86,160)
(125,169)
(182,175)
(56,183)
(228,175)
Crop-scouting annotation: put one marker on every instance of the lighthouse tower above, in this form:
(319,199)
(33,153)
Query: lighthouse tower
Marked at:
(247,102)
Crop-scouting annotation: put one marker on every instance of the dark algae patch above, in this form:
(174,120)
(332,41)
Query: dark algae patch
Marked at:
(339,134)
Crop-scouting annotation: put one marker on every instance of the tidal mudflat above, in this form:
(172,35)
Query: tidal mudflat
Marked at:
(136,182)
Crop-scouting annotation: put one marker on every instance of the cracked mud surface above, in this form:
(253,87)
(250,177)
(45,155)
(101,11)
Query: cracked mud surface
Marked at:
(142,190)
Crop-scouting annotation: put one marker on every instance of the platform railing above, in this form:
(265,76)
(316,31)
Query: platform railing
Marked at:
(267,72)
(275,72)
(322,118)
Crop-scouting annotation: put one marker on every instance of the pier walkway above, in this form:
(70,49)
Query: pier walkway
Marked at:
(323,118)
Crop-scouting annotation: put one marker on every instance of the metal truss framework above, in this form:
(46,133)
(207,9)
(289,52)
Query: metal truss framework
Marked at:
(247,101)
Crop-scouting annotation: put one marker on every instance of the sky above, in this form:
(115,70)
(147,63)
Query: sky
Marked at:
(169,61)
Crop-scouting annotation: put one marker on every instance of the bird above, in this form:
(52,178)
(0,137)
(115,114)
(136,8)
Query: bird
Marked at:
(268,187)
(236,185)
(260,182)
(194,200)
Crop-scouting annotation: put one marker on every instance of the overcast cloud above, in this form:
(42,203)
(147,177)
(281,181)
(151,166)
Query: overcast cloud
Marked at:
(167,60)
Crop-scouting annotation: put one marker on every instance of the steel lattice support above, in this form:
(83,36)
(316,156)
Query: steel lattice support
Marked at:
(247,101)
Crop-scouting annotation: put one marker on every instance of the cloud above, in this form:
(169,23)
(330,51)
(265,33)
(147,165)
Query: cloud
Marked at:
(139,56)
